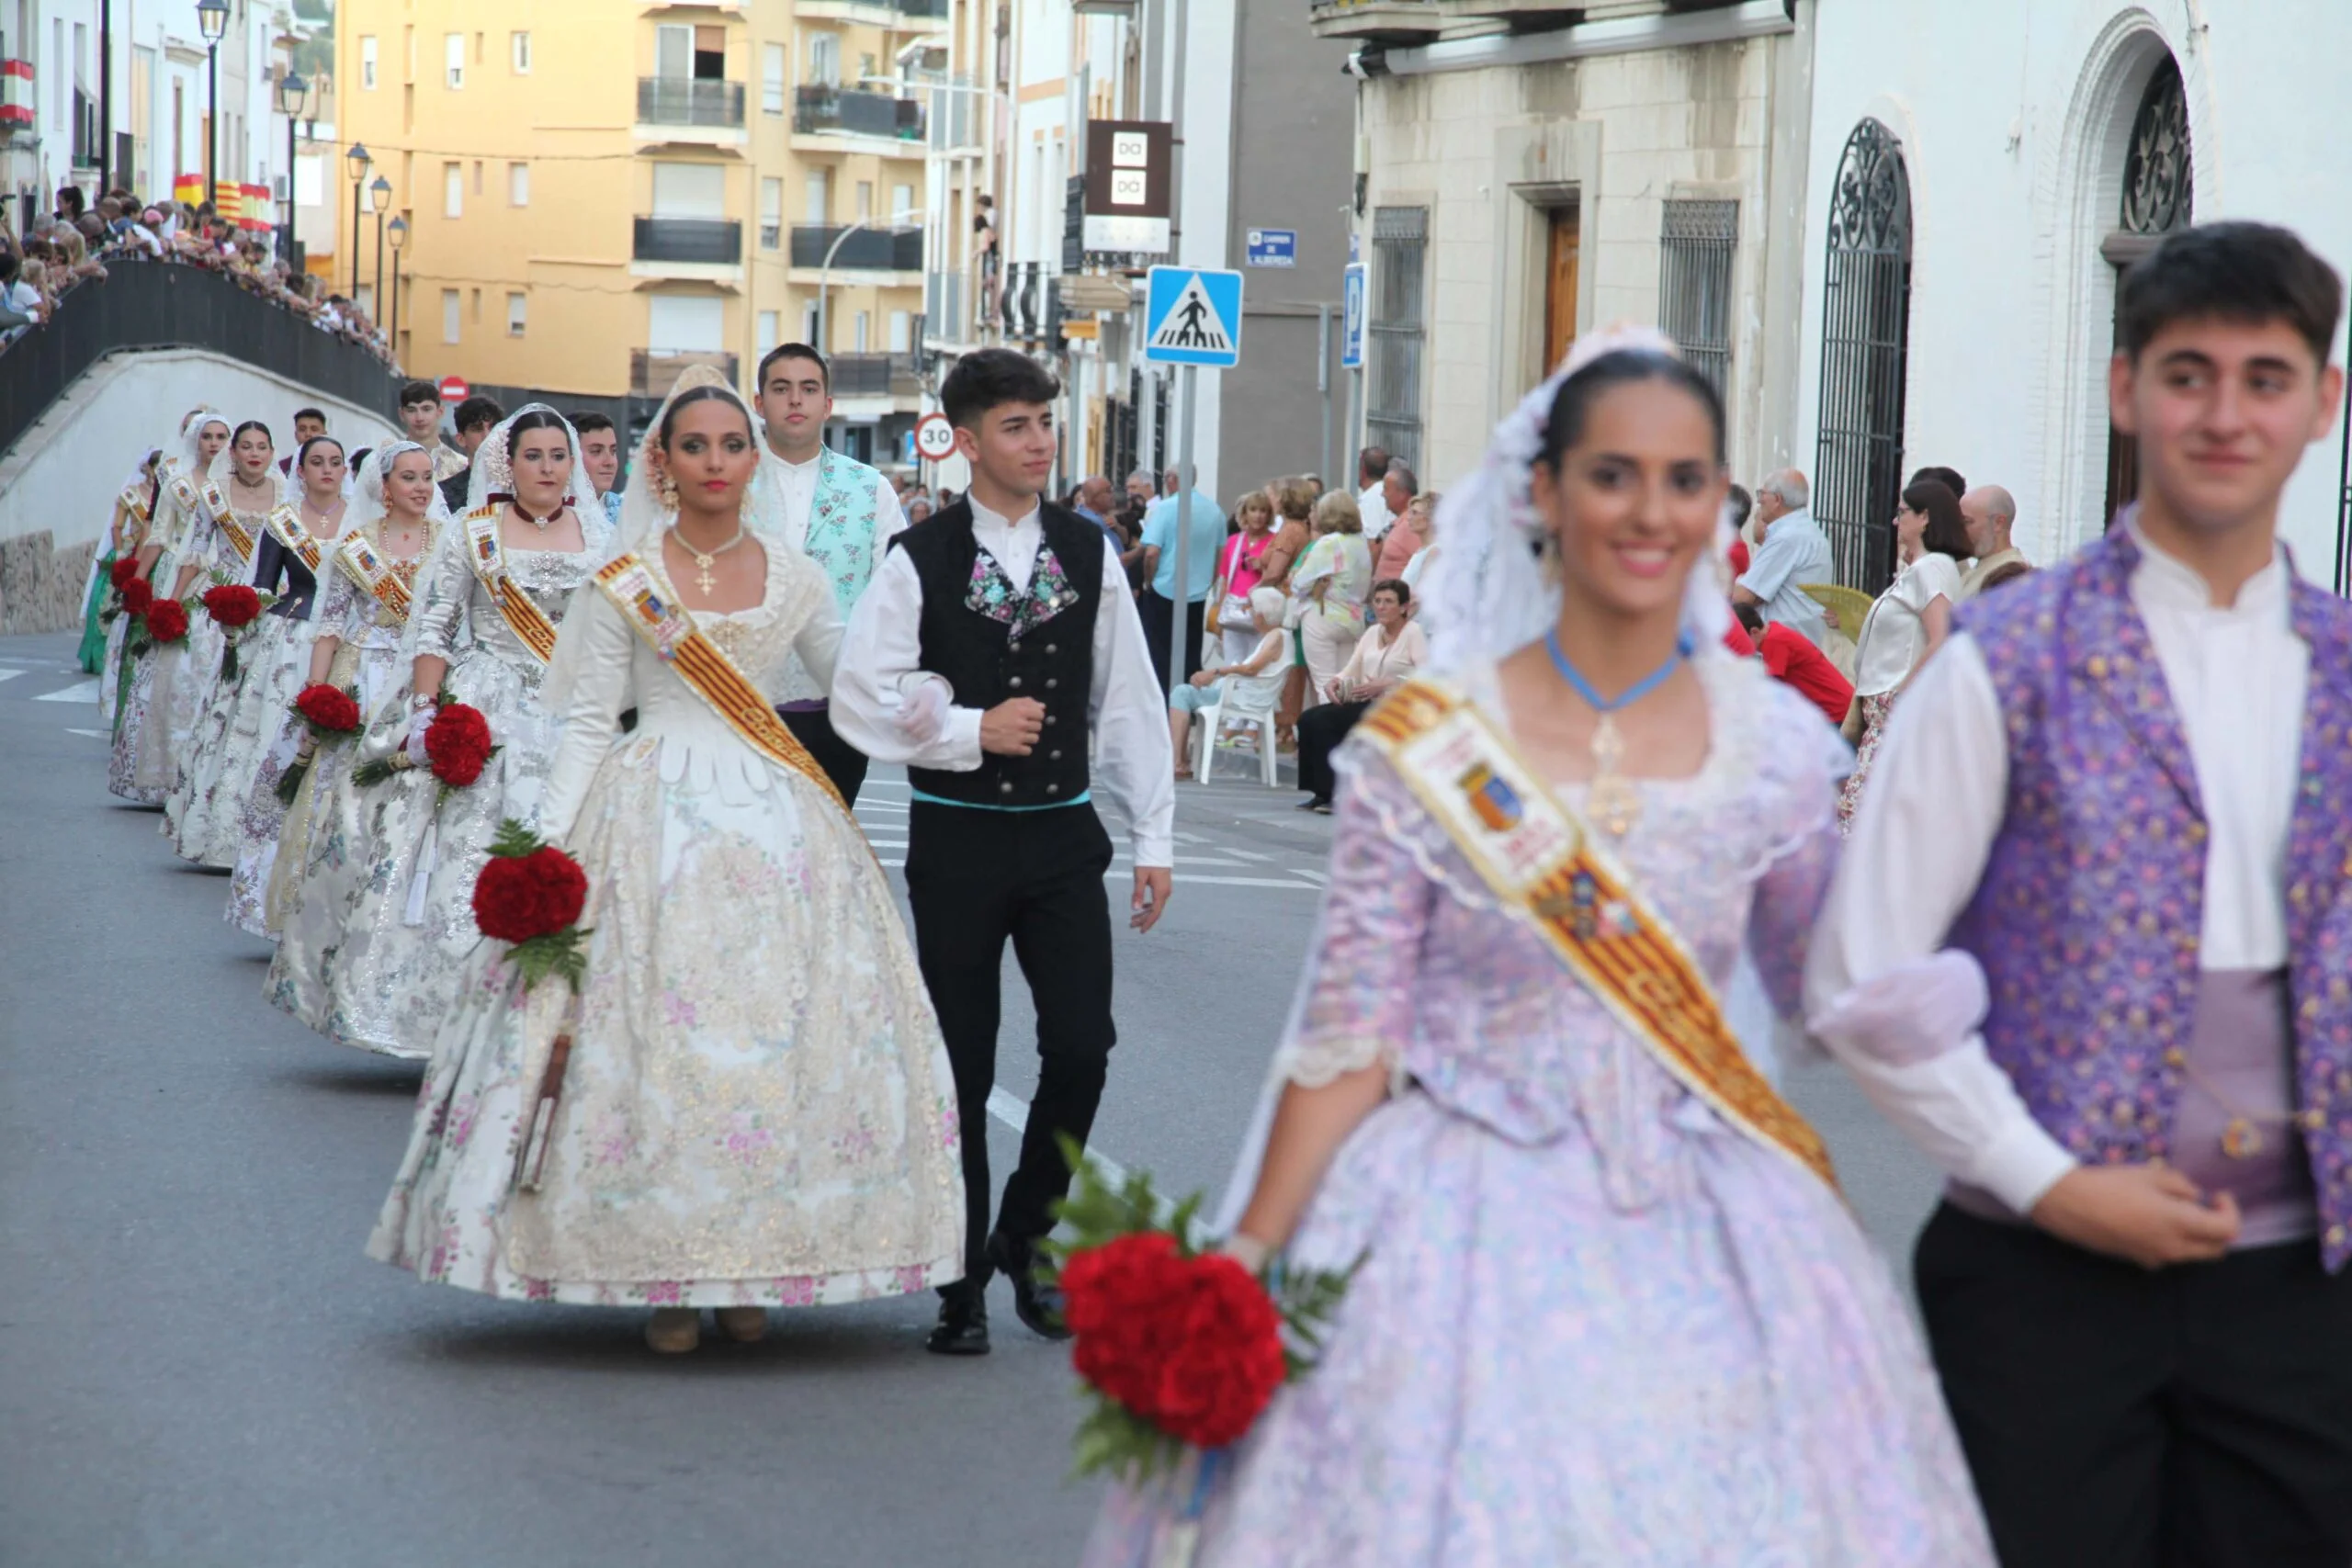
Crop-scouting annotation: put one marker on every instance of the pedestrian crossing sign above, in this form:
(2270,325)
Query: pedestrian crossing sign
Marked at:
(1193,317)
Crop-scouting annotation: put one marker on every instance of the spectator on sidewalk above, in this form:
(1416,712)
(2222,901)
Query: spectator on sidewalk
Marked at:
(1990,512)
(1386,657)
(1372,500)
(1790,658)
(1331,585)
(475,419)
(1406,537)
(1248,687)
(1158,602)
(1791,551)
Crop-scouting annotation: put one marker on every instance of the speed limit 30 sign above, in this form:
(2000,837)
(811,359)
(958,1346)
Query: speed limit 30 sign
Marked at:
(934,437)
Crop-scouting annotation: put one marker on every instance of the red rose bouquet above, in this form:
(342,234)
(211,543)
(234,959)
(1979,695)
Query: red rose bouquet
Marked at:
(1181,1349)
(234,606)
(167,621)
(331,713)
(457,745)
(124,569)
(137,594)
(530,893)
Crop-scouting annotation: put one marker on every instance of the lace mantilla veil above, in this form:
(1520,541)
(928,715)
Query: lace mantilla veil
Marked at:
(367,504)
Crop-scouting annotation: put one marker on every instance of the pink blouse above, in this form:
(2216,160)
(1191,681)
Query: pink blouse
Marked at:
(1237,564)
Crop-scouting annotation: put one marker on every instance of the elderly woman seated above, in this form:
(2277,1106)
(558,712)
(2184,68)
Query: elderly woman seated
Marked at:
(1250,689)
(1385,658)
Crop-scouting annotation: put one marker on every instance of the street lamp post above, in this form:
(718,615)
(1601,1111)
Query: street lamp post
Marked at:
(293,101)
(380,196)
(212,18)
(392,332)
(825,275)
(358,162)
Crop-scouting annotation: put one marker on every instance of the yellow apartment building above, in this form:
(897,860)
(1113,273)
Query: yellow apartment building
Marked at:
(599,192)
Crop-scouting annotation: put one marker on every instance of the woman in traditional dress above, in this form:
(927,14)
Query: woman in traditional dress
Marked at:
(235,510)
(142,497)
(126,531)
(142,766)
(1611,1309)
(292,562)
(488,602)
(758,1110)
(396,517)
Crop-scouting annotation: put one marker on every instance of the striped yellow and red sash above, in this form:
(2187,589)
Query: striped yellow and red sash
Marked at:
(1536,855)
(652,611)
(134,501)
(369,568)
(225,519)
(286,528)
(529,624)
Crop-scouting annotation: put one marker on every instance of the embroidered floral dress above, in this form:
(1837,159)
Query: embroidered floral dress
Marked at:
(139,768)
(304,867)
(221,825)
(758,1108)
(188,674)
(1596,1326)
(408,923)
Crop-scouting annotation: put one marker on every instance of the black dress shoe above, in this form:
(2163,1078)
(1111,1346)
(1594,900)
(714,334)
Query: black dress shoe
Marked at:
(963,1328)
(1038,1305)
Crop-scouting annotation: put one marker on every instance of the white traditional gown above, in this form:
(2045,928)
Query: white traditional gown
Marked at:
(758,1110)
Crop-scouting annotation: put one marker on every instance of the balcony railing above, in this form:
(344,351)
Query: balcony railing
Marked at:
(874,375)
(652,372)
(819,108)
(680,100)
(862,250)
(715,241)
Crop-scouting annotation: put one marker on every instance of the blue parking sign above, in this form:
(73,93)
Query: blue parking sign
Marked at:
(1351,317)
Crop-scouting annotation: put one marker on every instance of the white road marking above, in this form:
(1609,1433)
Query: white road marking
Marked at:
(1314,877)
(12,675)
(1013,1111)
(87,691)
(93,733)
(1188,880)
(864,804)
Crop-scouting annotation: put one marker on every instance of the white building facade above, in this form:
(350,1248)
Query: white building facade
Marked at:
(1980,174)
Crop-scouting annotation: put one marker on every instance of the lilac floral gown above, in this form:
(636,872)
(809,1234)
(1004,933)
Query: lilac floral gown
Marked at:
(1595,1324)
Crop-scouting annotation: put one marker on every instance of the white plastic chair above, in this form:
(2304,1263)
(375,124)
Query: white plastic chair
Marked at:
(1211,720)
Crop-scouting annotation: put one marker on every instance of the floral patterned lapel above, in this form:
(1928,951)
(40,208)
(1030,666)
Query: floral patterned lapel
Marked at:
(2122,665)
(2320,834)
(993,595)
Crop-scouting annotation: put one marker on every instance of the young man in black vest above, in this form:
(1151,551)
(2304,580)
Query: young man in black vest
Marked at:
(996,639)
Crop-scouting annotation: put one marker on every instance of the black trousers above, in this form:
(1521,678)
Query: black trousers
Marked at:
(1160,622)
(1320,730)
(2198,1416)
(976,879)
(843,763)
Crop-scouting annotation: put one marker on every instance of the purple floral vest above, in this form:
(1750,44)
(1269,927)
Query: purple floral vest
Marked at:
(2087,916)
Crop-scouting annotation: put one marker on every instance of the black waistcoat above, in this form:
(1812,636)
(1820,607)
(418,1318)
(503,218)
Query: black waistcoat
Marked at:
(988,663)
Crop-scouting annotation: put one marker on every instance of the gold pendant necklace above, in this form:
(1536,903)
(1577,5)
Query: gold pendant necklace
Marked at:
(704,578)
(1613,801)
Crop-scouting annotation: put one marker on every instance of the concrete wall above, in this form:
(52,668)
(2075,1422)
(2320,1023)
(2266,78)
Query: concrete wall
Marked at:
(58,483)
(2013,116)
(1291,165)
(1490,151)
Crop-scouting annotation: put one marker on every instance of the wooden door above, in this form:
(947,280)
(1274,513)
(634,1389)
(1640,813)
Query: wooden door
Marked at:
(1561,247)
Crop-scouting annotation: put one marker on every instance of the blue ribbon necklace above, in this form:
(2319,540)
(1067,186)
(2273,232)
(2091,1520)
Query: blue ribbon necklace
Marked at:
(1611,799)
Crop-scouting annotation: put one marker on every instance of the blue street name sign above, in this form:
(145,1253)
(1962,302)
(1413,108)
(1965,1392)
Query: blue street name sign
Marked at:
(1351,317)
(1273,247)
(1193,317)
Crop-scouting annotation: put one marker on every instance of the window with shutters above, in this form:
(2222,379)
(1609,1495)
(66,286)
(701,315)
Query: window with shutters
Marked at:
(367,64)
(771,213)
(769,327)
(518,184)
(452,315)
(1698,241)
(1395,331)
(517,314)
(520,45)
(772,78)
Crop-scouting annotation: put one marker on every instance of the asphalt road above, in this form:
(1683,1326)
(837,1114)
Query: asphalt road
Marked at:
(199,1369)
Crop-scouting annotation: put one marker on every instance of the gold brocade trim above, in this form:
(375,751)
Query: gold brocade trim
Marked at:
(380,574)
(708,671)
(527,621)
(1600,927)
(224,517)
(286,528)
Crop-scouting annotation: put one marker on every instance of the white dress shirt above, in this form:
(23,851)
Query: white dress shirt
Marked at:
(880,668)
(1372,502)
(1936,796)
(796,486)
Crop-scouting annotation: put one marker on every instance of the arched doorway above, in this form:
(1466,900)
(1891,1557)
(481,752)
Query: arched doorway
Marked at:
(1865,339)
(2158,192)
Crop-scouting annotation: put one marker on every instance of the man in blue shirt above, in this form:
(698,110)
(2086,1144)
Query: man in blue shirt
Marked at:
(1158,602)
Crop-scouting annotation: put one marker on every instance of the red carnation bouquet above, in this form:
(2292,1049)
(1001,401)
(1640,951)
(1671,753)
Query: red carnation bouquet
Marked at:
(124,569)
(457,745)
(331,713)
(1181,1349)
(234,606)
(167,621)
(137,594)
(530,893)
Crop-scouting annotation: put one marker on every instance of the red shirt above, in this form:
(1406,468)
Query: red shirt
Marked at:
(1790,657)
(1738,554)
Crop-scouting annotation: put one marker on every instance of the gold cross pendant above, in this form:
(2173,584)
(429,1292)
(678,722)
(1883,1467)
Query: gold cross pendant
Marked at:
(703,578)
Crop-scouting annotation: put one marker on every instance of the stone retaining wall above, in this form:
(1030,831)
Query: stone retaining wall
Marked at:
(40,585)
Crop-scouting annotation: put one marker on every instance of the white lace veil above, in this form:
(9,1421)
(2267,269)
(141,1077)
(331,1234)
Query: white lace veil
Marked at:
(643,514)
(494,469)
(367,504)
(1487,595)
(191,431)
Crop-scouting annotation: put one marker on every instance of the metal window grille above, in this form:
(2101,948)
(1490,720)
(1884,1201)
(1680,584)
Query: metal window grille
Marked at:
(1697,244)
(1395,331)
(1865,337)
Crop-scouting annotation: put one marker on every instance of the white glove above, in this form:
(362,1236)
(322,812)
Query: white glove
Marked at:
(418,723)
(924,698)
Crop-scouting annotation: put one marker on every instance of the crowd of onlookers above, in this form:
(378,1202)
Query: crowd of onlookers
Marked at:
(78,238)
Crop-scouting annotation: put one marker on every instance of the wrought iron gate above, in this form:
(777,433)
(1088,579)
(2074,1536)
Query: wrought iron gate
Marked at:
(1865,334)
